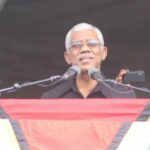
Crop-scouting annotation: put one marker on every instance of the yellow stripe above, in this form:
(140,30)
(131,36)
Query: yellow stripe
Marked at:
(8,140)
(148,119)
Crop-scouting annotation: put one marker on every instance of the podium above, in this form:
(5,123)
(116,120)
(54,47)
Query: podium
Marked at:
(75,124)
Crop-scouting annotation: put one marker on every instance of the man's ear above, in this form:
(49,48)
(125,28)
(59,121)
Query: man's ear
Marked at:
(104,54)
(67,57)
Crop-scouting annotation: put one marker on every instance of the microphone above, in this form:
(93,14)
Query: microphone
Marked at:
(95,74)
(71,72)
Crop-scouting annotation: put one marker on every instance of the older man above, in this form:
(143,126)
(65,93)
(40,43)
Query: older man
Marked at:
(85,49)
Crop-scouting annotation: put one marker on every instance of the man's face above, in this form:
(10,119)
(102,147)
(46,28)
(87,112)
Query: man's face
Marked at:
(85,50)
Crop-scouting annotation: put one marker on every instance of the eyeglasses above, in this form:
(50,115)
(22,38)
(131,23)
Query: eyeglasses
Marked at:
(92,43)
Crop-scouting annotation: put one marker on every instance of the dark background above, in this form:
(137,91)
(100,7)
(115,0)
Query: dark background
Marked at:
(32,35)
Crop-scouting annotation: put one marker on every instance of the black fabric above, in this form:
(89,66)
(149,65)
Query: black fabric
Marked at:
(145,115)
(17,130)
(119,136)
(19,135)
(68,89)
(3,114)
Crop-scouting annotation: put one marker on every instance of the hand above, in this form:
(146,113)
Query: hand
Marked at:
(120,75)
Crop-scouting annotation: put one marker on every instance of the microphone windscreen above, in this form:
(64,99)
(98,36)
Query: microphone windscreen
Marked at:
(91,71)
(76,69)
(71,72)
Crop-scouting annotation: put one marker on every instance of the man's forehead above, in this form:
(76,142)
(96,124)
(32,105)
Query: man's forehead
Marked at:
(83,34)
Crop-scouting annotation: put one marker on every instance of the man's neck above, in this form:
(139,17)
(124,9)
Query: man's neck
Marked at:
(85,84)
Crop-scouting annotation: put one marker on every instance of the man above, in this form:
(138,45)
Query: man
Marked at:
(85,49)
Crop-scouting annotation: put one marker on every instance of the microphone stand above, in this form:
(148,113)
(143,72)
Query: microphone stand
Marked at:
(126,85)
(18,86)
(70,73)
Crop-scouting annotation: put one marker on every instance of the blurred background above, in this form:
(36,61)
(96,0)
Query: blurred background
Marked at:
(32,35)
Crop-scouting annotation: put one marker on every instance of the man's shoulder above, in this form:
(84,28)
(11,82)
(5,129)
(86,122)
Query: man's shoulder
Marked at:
(58,90)
(113,90)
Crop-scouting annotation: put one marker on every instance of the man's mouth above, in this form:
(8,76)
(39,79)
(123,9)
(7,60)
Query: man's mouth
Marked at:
(85,58)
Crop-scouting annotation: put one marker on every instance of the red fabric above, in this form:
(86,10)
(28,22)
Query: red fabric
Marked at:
(105,109)
(72,124)
(69,134)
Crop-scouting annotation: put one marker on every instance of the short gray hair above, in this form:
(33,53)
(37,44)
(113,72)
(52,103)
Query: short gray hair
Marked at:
(83,26)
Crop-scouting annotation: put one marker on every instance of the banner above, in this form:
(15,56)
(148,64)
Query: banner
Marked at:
(95,124)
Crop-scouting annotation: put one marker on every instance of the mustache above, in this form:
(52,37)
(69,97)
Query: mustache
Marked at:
(86,55)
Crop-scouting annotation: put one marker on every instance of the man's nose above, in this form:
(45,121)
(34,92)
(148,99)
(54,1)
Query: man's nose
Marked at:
(85,47)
